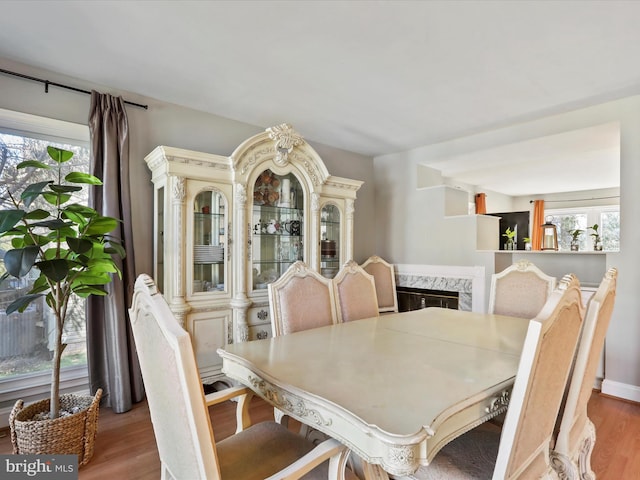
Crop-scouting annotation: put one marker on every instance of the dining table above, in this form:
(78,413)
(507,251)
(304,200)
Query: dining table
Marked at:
(395,388)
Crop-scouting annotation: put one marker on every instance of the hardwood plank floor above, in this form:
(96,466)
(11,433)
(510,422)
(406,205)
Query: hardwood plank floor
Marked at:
(125,447)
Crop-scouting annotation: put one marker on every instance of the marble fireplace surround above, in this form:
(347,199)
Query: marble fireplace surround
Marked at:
(469,282)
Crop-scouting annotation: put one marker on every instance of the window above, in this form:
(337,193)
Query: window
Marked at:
(25,344)
(568,220)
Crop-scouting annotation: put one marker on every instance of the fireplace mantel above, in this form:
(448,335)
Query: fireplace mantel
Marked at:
(469,282)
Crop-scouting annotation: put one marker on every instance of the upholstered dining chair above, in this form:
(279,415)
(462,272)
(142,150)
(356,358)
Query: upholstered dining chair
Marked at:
(576,435)
(385,280)
(355,292)
(520,290)
(180,417)
(520,450)
(301,299)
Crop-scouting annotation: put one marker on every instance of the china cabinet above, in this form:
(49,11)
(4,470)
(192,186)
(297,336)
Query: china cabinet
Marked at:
(226,227)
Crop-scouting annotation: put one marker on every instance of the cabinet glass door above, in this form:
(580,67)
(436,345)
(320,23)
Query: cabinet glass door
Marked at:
(329,240)
(209,242)
(277,227)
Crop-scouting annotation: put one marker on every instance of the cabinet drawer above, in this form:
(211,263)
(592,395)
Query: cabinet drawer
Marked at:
(259,332)
(258,315)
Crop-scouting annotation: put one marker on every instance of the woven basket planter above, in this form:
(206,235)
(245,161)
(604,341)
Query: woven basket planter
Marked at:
(68,435)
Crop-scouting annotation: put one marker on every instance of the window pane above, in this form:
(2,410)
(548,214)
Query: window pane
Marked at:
(567,223)
(26,339)
(610,230)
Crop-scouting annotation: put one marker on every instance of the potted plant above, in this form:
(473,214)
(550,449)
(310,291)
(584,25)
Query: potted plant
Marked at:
(69,246)
(527,243)
(575,240)
(597,242)
(511,235)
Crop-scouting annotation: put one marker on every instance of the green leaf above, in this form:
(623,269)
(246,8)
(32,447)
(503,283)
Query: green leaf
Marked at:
(59,155)
(56,269)
(33,191)
(19,261)
(9,218)
(64,188)
(34,164)
(102,225)
(106,266)
(79,177)
(115,249)
(37,214)
(74,217)
(56,198)
(87,290)
(53,224)
(91,278)
(21,303)
(81,210)
(79,245)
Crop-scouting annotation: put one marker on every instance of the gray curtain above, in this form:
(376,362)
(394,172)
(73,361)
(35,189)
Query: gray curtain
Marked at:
(113,362)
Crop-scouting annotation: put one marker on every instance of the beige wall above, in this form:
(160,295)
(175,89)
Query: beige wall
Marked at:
(175,126)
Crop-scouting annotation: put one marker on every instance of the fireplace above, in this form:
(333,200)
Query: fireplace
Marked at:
(468,282)
(418,298)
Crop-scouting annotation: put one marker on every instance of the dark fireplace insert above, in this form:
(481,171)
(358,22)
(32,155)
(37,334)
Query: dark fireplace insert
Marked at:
(417,298)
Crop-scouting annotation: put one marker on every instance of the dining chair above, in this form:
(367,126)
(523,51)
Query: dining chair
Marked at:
(520,290)
(576,435)
(520,450)
(355,293)
(385,280)
(180,417)
(301,299)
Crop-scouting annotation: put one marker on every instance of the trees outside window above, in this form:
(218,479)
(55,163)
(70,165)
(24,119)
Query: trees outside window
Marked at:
(25,343)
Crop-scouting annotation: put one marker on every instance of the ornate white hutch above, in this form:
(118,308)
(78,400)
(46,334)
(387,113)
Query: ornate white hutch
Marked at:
(225,227)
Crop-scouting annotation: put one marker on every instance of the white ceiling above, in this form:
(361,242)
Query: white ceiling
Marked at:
(373,77)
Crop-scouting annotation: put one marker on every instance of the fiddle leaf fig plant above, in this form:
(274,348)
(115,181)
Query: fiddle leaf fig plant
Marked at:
(68,244)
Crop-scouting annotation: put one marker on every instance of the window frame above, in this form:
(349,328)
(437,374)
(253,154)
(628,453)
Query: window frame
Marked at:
(36,386)
(594,215)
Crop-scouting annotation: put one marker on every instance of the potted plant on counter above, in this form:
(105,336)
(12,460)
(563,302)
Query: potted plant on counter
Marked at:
(527,243)
(575,239)
(597,242)
(511,235)
(68,247)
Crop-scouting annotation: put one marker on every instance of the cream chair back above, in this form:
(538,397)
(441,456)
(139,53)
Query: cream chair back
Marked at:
(521,449)
(355,293)
(576,435)
(385,280)
(180,418)
(174,392)
(520,290)
(301,299)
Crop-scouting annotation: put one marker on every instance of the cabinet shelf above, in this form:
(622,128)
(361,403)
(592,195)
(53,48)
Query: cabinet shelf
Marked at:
(276,235)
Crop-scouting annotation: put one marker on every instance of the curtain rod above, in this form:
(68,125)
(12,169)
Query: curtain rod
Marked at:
(578,199)
(47,83)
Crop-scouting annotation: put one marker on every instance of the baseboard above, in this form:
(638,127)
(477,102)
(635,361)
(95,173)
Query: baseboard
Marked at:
(621,390)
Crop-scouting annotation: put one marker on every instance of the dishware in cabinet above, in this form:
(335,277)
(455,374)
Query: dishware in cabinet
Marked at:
(210,220)
(277,232)
(330,240)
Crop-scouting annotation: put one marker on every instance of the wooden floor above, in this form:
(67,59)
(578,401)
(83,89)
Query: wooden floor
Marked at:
(125,447)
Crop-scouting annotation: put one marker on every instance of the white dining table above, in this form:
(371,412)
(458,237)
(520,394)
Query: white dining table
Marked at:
(396,388)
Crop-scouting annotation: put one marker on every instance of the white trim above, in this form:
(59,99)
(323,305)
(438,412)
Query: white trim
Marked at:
(25,122)
(621,390)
